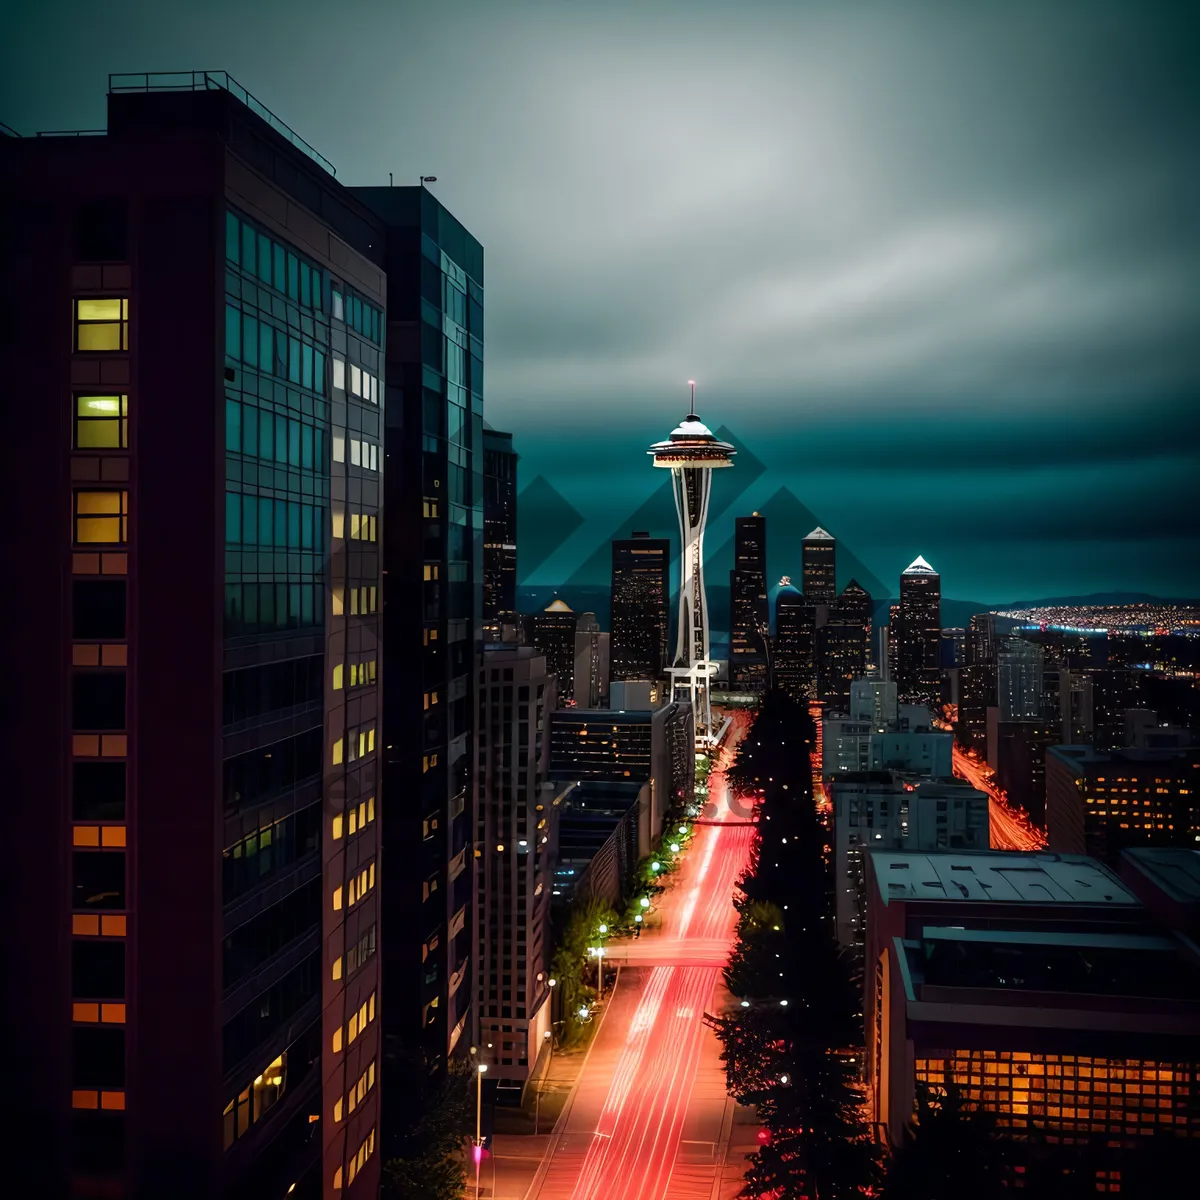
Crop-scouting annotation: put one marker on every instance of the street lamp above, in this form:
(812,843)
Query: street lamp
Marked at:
(674,847)
(548,1039)
(479,1074)
(645,901)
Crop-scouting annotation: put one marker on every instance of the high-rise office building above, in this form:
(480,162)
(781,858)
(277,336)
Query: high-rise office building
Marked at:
(795,634)
(843,645)
(919,634)
(954,647)
(641,590)
(1021,763)
(1019,666)
(196,744)
(977,694)
(591,670)
(433,560)
(749,609)
(890,651)
(515,827)
(874,701)
(553,633)
(499,524)
(819,567)
(1114,689)
(981,641)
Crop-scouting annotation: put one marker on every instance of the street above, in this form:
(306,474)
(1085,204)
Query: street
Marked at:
(1008,830)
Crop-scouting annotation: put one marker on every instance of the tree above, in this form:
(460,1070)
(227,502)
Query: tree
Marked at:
(949,1153)
(434,1114)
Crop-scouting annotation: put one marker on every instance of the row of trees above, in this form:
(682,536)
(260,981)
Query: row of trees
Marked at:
(790,1044)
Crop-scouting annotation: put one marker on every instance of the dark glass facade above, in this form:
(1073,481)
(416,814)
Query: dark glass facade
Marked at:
(641,590)
(843,645)
(749,609)
(795,648)
(919,636)
(433,562)
(819,565)
(499,525)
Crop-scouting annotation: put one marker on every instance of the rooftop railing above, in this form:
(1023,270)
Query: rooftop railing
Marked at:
(208,81)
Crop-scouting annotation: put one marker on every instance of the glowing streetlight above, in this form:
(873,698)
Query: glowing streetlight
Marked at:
(645,901)
(674,847)
(603,928)
(656,866)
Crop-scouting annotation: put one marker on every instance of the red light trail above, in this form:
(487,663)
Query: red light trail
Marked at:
(622,1134)
(1010,828)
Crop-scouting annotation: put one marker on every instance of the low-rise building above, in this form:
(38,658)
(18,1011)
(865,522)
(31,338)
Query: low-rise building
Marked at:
(1042,988)
(1101,802)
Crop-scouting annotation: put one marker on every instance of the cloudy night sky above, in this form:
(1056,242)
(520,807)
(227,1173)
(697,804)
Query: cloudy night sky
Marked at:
(934,267)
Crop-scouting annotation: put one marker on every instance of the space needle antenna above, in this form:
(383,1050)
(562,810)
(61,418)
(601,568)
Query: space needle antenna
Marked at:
(692,385)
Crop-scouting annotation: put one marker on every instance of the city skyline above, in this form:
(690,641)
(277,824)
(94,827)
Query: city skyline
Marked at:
(920,279)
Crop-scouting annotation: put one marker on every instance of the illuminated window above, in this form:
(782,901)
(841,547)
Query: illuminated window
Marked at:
(339,372)
(339,522)
(371,809)
(337,827)
(431,571)
(337,967)
(337,1040)
(101,325)
(101,517)
(337,1175)
(355,380)
(337,752)
(339,448)
(337,899)
(101,422)
(430,508)
(337,1110)
(337,677)
(338,598)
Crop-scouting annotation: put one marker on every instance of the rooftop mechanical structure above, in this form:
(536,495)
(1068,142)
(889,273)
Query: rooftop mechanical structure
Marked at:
(691,454)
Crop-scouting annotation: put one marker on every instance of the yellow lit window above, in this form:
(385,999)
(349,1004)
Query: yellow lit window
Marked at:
(353,820)
(371,1075)
(354,602)
(362,743)
(431,571)
(337,752)
(101,517)
(101,325)
(337,677)
(338,597)
(337,1180)
(337,827)
(352,1028)
(371,1008)
(337,899)
(429,508)
(101,422)
(430,636)
(337,1110)
(354,525)
(339,448)
(337,967)
(371,740)
(339,522)
(372,591)
(373,537)
(362,814)
(371,877)
(371,808)
(337,1040)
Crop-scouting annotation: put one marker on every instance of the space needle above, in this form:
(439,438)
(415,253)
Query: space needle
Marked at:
(691,454)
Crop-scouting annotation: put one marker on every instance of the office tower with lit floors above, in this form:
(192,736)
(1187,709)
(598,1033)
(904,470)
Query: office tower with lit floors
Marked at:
(749,608)
(515,814)
(198,1009)
(432,631)
(590,673)
(795,647)
(641,591)
(499,526)
(819,567)
(553,633)
(843,646)
(919,634)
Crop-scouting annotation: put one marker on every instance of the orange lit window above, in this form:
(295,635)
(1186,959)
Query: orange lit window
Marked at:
(101,518)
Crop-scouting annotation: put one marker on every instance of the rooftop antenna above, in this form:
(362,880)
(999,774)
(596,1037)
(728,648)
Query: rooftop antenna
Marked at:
(391,183)
(692,385)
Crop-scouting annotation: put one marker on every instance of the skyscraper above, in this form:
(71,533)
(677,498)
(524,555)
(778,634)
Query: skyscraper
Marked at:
(749,611)
(795,629)
(432,626)
(919,634)
(641,587)
(819,567)
(553,633)
(691,453)
(843,644)
(499,524)
(1019,666)
(194,991)
(515,836)
(591,670)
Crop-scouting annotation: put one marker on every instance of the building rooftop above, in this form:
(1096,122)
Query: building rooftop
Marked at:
(1084,756)
(919,566)
(819,535)
(1173,870)
(997,877)
(558,606)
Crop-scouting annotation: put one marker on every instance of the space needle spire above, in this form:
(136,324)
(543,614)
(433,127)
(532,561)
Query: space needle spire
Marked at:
(691,454)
